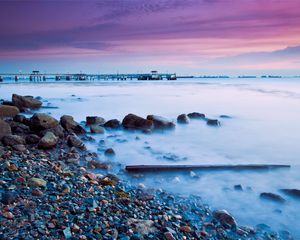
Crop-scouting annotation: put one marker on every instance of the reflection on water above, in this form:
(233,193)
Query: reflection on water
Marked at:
(263,129)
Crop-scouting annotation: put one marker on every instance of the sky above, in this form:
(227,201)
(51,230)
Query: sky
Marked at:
(188,37)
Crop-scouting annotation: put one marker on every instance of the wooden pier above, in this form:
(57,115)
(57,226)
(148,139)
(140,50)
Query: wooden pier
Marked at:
(37,76)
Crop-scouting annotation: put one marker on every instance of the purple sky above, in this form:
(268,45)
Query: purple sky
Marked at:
(183,36)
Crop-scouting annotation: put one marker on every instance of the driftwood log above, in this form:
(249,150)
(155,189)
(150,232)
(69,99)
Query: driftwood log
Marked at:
(163,168)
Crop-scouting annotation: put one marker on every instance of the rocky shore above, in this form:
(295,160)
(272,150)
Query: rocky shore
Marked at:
(49,190)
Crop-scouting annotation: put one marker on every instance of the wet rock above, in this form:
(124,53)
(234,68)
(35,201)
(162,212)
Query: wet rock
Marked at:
(23,102)
(97,165)
(58,131)
(113,124)
(109,152)
(8,215)
(8,197)
(143,227)
(32,139)
(213,122)
(48,141)
(19,128)
(74,141)
(161,122)
(238,187)
(225,116)
(4,129)
(19,147)
(97,129)
(272,197)
(132,121)
(225,218)
(37,182)
(92,120)
(169,236)
(196,115)
(8,111)
(41,121)
(291,192)
(36,193)
(70,125)
(21,119)
(186,229)
(11,140)
(183,118)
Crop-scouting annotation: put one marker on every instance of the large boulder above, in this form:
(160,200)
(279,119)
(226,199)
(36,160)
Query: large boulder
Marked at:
(225,218)
(132,121)
(112,124)
(160,122)
(11,140)
(71,125)
(183,118)
(4,129)
(92,120)
(48,141)
(23,102)
(8,111)
(41,121)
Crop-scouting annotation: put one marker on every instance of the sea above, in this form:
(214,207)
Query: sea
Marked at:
(262,127)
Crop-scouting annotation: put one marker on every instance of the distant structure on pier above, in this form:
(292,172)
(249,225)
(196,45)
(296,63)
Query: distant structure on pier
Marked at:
(154,75)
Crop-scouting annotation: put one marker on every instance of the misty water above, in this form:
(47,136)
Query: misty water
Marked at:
(263,128)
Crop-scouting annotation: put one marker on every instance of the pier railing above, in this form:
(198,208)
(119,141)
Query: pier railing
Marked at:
(37,76)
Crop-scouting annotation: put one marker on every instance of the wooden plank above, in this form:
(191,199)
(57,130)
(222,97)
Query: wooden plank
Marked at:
(162,168)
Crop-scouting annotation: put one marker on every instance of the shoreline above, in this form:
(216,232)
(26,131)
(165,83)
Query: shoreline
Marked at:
(47,193)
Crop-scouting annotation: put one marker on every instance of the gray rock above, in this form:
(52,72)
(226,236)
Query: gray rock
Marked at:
(132,121)
(183,118)
(32,139)
(19,128)
(71,125)
(4,129)
(109,152)
(292,192)
(225,218)
(58,131)
(113,124)
(74,141)
(91,120)
(213,122)
(25,102)
(161,122)
(196,115)
(19,147)
(11,140)
(272,197)
(48,141)
(41,121)
(8,111)
(97,129)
